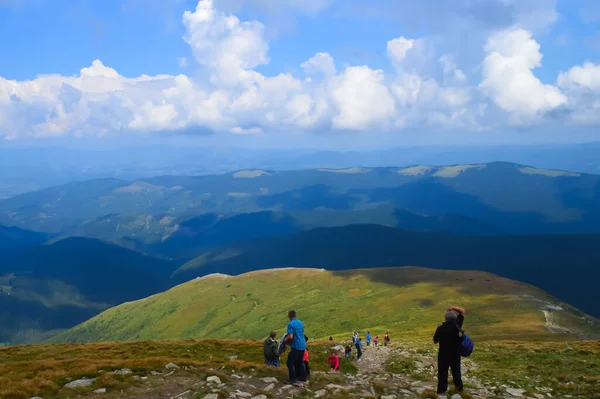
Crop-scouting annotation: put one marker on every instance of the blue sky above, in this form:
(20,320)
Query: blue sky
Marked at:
(489,81)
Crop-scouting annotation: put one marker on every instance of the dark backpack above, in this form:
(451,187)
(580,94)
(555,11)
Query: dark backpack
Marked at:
(466,345)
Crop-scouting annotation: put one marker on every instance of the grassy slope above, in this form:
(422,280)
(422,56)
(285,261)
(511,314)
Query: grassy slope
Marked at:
(408,302)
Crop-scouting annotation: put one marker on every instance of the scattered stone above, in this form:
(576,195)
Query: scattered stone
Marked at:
(269,388)
(518,393)
(286,387)
(155,372)
(83,382)
(181,394)
(35,397)
(332,387)
(214,379)
(320,393)
(388,397)
(259,397)
(123,371)
(100,390)
(211,396)
(268,380)
(456,396)
(241,394)
(138,378)
(172,366)
(234,357)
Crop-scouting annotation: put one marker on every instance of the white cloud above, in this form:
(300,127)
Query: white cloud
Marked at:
(361,98)
(585,77)
(397,49)
(425,87)
(320,63)
(508,77)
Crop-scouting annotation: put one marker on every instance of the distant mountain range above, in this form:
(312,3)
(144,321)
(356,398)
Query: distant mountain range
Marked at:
(53,286)
(508,198)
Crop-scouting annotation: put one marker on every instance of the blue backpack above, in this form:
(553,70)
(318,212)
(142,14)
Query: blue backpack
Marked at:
(466,345)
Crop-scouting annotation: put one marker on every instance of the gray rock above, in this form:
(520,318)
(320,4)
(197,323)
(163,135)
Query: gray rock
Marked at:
(260,397)
(172,366)
(155,372)
(100,390)
(123,371)
(241,394)
(517,393)
(332,387)
(138,378)
(456,396)
(269,388)
(388,397)
(213,378)
(234,357)
(83,382)
(268,380)
(35,397)
(211,396)
(286,387)
(320,393)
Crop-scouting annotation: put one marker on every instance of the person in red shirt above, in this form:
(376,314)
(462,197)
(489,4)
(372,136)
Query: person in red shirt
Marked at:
(306,358)
(334,361)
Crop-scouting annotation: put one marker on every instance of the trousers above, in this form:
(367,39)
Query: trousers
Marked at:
(452,363)
(295,365)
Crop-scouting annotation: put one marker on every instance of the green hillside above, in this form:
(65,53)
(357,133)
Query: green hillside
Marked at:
(408,302)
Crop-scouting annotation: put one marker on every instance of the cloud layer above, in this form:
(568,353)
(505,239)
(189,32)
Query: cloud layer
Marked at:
(423,88)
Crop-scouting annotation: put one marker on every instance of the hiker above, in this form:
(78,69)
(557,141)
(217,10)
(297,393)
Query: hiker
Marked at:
(297,342)
(271,350)
(334,361)
(386,339)
(305,358)
(448,337)
(359,349)
(376,340)
(354,337)
(348,352)
(368,338)
(330,339)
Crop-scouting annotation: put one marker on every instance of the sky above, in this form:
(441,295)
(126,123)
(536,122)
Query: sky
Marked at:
(299,73)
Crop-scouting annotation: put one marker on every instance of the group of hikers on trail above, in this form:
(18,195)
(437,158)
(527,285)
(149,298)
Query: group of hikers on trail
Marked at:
(453,344)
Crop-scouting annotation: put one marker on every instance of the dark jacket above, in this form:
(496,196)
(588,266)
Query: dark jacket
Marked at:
(271,350)
(447,335)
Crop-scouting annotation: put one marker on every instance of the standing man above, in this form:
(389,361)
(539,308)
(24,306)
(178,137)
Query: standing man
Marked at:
(358,349)
(368,338)
(447,335)
(295,338)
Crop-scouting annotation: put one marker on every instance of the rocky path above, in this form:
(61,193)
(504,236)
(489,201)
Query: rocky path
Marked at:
(384,372)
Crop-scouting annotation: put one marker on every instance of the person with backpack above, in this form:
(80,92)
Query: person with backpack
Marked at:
(271,351)
(376,340)
(368,336)
(296,339)
(386,339)
(348,352)
(448,337)
(358,349)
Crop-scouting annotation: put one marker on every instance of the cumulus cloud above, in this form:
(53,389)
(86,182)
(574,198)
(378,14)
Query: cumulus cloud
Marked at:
(425,85)
(508,77)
